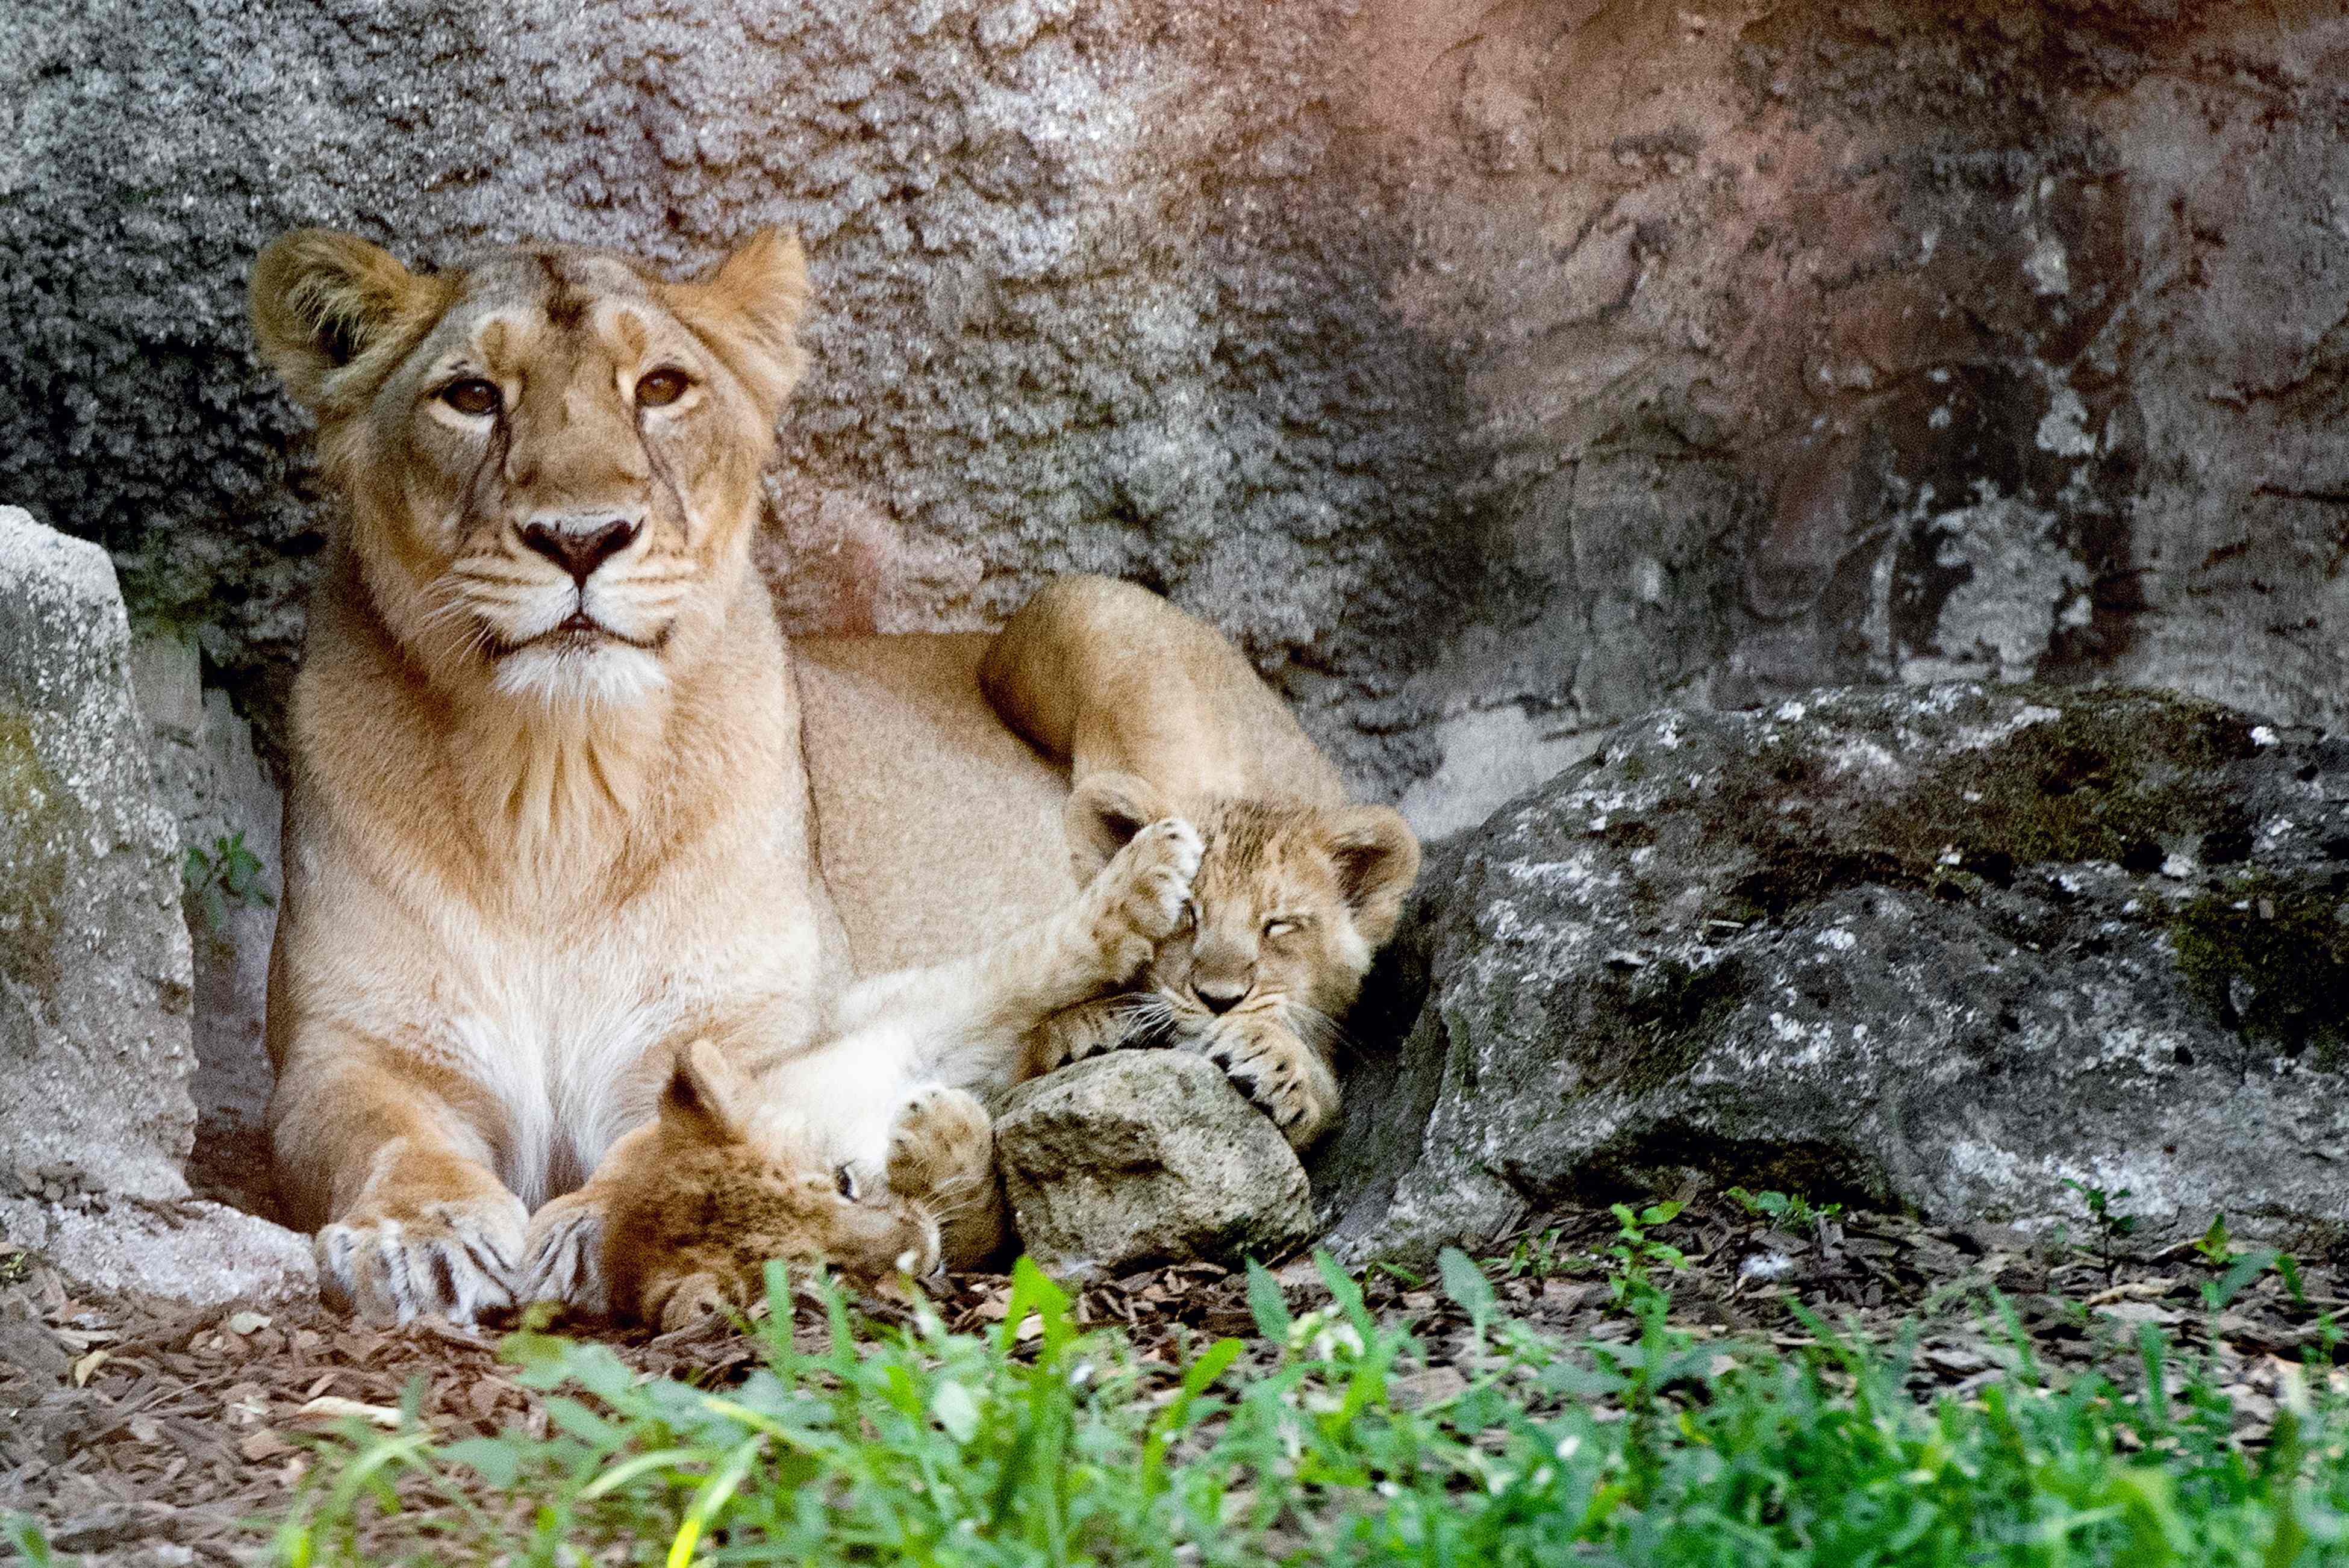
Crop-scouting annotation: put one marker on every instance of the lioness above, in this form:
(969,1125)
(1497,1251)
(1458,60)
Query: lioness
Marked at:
(564,802)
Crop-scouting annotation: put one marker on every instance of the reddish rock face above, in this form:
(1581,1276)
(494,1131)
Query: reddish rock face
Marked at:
(1492,371)
(1905,340)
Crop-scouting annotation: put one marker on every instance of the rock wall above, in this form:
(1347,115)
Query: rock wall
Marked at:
(1492,372)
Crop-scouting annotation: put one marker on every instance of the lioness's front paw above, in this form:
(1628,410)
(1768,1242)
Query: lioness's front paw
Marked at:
(564,1254)
(1143,895)
(942,1142)
(1268,1063)
(458,1258)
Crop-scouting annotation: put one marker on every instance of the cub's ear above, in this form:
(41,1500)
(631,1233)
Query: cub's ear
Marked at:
(1378,859)
(705,1095)
(1104,811)
(748,311)
(322,302)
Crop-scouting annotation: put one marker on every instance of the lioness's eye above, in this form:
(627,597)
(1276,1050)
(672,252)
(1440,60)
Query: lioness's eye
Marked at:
(661,388)
(1278,927)
(472,396)
(845,1180)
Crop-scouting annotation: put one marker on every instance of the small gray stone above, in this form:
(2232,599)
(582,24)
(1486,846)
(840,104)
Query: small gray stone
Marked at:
(1146,1157)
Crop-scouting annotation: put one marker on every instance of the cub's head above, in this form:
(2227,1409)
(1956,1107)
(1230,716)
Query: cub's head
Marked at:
(1291,900)
(551,457)
(697,1203)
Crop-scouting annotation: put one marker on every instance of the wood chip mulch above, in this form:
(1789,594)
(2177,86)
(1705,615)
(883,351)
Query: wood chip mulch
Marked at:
(140,1433)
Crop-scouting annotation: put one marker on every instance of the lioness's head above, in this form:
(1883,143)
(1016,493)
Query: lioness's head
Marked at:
(1290,902)
(551,457)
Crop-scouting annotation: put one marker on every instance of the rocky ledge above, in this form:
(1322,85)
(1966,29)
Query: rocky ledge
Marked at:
(1968,950)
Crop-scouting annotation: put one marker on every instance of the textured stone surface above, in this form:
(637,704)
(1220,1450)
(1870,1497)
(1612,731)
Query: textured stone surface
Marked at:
(187,1250)
(1953,949)
(210,780)
(95,976)
(94,969)
(1142,1157)
(1492,373)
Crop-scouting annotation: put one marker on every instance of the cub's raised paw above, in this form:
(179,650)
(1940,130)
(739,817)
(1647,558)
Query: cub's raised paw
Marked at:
(458,1259)
(1143,895)
(942,1142)
(1268,1062)
(563,1256)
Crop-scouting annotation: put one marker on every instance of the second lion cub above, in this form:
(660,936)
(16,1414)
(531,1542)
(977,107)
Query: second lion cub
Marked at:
(1297,887)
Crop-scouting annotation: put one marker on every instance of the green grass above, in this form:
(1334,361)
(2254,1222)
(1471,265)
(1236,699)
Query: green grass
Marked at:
(1042,1443)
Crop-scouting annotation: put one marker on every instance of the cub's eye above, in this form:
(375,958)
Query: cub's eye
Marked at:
(471,397)
(1278,927)
(661,388)
(845,1180)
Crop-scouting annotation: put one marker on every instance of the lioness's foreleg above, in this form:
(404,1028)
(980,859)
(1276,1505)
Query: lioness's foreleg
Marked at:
(397,1161)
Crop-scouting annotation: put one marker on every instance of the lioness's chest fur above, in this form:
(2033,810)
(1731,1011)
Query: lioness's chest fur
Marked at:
(534,912)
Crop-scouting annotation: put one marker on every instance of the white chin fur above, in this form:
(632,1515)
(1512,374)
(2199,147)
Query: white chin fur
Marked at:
(613,675)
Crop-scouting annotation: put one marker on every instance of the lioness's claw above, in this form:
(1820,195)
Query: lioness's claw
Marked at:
(565,1256)
(456,1259)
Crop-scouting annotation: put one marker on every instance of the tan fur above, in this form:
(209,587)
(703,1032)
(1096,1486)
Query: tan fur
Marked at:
(1297,888)
(548,827)
(873,1150)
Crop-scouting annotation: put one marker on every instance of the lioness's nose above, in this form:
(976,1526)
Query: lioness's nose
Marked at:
(580,547)
(1219,995)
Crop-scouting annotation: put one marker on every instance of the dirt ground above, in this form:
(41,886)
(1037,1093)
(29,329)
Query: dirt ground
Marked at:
(138,1434)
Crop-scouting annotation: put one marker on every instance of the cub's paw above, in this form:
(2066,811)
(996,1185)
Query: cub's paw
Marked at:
(1268,1063)
(457,1258)
(942,1142)
(564,1254)
(1143,895)
(685,1301)
(1088,1029)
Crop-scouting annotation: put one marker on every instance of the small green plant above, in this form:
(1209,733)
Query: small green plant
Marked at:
(1538,1256)
(1634,1257)
(2113,1226)
(2217,1246)
(1787,1211)
(227,873)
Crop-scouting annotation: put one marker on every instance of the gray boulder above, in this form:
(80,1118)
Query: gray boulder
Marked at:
(95,975)
(94,965)
(1142,1157)
(1953,949)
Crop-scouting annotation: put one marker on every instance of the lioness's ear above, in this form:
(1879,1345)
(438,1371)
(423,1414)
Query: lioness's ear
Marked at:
(1378,859)
(704,1095)
(748,312)
(323,301)
(1104,811)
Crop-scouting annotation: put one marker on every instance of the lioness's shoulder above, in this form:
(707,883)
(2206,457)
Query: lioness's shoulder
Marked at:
(1114,678)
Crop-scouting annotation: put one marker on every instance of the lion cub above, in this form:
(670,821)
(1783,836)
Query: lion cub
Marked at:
(873,1150)
(1297,887)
